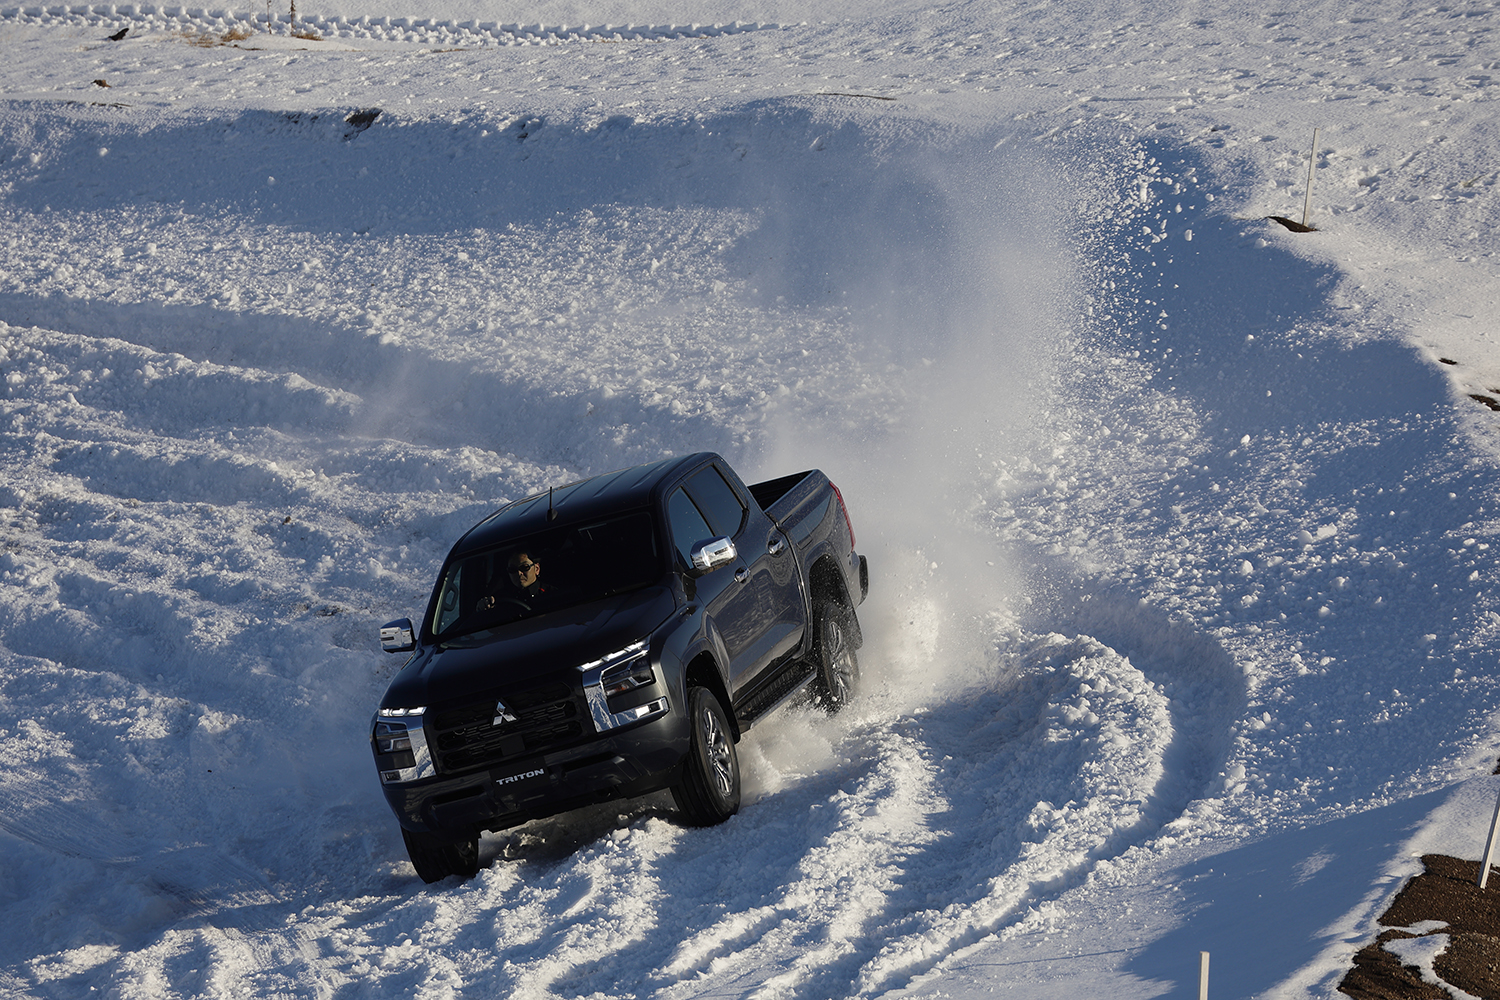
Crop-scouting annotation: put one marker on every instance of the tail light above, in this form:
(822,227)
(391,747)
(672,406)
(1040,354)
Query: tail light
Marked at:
(845,511)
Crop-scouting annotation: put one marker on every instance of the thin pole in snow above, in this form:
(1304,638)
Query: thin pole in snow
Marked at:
(1489,846)
(1202,975)
(1311,159)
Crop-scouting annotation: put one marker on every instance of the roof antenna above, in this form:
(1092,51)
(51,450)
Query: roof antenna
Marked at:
(551,510)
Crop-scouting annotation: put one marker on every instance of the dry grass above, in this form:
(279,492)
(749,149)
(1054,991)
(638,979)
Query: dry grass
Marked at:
(208,39)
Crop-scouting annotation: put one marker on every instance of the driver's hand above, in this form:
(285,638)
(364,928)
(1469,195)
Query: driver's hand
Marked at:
(485,603)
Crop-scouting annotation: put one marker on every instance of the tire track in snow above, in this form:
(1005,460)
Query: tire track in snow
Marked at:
(924,833)
(251,370)
(1161,724)
(129,387)
(844,886)
(248,29)
(1092,707)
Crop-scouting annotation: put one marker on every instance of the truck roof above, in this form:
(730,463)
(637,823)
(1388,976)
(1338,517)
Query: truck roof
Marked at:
(623,489)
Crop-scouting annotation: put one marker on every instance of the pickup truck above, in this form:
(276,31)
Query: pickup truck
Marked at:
(612,638)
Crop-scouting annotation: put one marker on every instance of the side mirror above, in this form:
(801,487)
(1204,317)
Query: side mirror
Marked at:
(398,636)
(712,554)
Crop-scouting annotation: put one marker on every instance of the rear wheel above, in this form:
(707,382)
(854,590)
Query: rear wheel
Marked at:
(838,667)
(709,792)
(435,858)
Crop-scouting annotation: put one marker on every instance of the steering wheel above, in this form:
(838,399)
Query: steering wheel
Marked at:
(491,602)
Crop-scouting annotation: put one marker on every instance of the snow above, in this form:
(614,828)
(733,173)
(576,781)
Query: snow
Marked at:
(1184,620)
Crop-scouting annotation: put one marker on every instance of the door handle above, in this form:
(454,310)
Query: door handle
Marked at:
(741,575)
(775,546)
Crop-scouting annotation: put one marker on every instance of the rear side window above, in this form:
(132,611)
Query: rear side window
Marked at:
(717,500)
(687,525)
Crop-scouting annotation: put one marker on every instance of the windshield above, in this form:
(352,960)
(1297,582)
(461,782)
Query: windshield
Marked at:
(557,568)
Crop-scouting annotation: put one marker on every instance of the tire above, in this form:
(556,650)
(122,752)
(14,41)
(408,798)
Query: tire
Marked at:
(435,858)
(709,792)
(837,664)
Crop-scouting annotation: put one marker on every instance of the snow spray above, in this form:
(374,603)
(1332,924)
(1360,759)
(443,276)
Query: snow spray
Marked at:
(971,344)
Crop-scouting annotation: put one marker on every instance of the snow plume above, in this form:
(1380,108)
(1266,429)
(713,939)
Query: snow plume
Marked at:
(961,303)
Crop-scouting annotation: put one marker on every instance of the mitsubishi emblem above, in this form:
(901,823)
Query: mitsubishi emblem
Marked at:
(502,714)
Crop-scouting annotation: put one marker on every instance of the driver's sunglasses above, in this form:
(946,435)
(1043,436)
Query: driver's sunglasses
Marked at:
(523,568)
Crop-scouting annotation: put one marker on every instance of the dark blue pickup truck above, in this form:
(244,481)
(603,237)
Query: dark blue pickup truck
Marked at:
(611,638)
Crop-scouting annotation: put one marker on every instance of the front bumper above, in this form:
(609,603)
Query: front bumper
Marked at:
(625,762)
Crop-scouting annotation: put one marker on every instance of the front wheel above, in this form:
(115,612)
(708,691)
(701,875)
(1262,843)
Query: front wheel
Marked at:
(838,667)
(709,792)
(435,858)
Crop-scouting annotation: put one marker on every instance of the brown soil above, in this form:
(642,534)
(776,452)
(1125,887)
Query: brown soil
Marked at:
(1446,891)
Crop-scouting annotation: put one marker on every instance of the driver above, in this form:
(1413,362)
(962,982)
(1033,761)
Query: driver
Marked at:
(522,579)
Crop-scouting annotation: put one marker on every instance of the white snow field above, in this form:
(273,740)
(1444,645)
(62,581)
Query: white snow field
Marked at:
(1184,625)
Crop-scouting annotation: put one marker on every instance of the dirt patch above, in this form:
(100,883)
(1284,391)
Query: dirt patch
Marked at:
(1445,892)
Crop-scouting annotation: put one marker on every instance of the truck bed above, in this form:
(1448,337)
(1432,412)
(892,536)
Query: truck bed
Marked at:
(767,493)
(798,503)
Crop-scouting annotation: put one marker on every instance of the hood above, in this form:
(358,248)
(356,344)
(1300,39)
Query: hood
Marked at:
(529,651)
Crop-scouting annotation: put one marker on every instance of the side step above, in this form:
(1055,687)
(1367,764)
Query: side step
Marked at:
(786,685)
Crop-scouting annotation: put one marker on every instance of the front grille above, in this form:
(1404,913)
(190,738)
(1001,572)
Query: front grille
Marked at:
(466,737)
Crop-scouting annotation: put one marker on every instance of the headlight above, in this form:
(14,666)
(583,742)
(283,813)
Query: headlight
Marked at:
(608,678)
(400,746)
(391,736)
(628,676)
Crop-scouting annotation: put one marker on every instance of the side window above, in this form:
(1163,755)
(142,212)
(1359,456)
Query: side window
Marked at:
(687,525)
(718,501)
